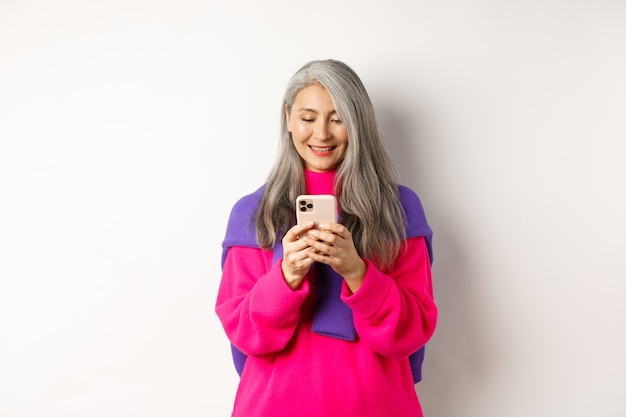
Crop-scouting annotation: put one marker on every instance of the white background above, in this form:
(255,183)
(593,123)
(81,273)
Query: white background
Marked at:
(128,129)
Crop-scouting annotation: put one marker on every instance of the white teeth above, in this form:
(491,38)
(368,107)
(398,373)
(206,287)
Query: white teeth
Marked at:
(315,148)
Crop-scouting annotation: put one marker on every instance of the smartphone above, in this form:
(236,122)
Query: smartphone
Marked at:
(317,208)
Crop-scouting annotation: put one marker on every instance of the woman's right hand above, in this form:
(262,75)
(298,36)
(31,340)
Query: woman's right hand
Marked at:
(296,263)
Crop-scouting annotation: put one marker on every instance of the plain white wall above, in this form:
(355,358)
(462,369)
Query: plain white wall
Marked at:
(129,128)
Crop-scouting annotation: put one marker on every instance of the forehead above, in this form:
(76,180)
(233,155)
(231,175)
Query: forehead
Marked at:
(313,95)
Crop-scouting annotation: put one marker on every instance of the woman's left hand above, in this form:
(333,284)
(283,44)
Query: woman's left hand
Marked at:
(332,244)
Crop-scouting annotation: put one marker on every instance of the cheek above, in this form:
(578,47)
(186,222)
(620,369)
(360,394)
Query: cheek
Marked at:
(342,134)
(299,132)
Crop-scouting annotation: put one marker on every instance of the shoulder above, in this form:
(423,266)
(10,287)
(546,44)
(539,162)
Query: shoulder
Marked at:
(240,230)
(415,216)
(248,204)
(408,197)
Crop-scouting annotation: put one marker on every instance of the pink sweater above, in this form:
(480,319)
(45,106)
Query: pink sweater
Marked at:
(292,371)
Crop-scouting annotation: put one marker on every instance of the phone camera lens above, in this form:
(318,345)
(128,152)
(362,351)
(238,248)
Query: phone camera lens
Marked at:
(302,203)
(303,208)
(309,206)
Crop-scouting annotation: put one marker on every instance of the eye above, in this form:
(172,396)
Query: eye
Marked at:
(307,119)
(336,120)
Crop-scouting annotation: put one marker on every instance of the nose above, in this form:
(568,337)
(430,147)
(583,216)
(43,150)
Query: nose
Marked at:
(322,131)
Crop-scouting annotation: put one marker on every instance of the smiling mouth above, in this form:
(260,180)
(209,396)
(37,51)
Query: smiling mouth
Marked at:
(322,150)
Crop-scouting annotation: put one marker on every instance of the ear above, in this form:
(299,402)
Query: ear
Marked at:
(287,119)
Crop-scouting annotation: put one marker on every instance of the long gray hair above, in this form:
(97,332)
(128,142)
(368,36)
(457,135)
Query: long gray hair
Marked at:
(365,182)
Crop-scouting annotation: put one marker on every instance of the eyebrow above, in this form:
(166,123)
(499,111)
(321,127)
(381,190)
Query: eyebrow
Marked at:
(307,109)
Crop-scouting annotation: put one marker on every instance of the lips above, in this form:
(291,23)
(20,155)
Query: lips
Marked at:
(322,150)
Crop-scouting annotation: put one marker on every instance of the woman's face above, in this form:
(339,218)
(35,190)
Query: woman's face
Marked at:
(318,133)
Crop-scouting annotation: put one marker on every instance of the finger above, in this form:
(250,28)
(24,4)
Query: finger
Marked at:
(294,258)
(320,257)
(335,228)
(300,264)
(302,254)
(306,263)
(319,246)
(297,230)
(297,246)
(325,236)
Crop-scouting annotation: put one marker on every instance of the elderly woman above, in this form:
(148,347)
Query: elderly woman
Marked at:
(329,319)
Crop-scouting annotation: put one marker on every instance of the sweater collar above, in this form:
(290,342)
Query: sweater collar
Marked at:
(319,182)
